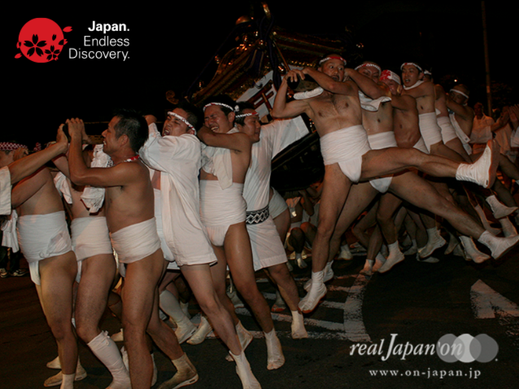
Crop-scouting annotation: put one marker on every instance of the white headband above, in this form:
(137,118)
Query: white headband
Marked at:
(221,104)
(182,119)
(333,57)
(390,75)
(242,115)
(369,64)
(411,64)
(459,92)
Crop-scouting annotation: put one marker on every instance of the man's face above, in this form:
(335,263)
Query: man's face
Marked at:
(216,120)
(333,68)
(174,126)
(251,126)
(457,97)
(411,75)
(394,87)
(111,141)
(370,72)
(478,110)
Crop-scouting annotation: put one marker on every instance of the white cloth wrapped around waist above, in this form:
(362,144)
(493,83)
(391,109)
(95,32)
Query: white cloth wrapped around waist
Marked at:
(447,129)
(90,237)
(5,191)
(137,241)
(429,128)
(9,234)
(342,145)
(346,148)
(382,140)
(43,236)
(220,207)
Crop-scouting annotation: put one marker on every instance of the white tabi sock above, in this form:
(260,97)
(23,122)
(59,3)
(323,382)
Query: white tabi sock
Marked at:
(107,352)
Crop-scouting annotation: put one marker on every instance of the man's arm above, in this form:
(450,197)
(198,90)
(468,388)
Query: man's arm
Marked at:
(81,174)
(237,141)
(283,110)
(464,112)
(366,85)
(28,165)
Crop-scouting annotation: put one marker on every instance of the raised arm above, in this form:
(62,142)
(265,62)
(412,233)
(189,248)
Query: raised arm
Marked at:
(283,110)
(366,85)
(28,165)
(237,141)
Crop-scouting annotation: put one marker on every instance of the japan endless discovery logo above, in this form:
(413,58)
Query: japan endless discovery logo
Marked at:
(42,40)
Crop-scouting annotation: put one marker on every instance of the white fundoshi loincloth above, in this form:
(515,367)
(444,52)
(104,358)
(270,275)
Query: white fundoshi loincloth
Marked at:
(221,208)
(90,237)
(447,130)
(420,145)
(382,140)
(41,237)
(429,128)
(137,241)
(346,148)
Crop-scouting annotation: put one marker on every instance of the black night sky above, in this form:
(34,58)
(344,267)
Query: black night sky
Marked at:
(170,45)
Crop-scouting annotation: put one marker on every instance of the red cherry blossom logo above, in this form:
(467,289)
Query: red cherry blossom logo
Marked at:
(41,40)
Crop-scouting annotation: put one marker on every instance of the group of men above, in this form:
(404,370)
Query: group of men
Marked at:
(194,198)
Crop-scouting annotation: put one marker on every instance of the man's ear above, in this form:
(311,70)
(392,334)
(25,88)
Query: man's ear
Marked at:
(231,116)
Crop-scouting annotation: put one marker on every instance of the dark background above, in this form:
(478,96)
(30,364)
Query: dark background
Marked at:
(170,45)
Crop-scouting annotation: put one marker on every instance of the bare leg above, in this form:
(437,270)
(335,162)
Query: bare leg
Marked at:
(57,278)
(200,279)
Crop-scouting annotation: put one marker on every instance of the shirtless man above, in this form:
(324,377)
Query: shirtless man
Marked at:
(17,170)
(425,95)
(336,113)
(176,156)
(408,185)
(96,273)
(129,207)
(45,242)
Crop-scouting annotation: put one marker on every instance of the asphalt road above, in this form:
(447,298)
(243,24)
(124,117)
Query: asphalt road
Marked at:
(357,337)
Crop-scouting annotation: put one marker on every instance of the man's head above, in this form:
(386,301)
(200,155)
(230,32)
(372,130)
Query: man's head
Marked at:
(478,110)
(248,121)
(127,128)
(412,72)
(369,69)
(333,65)
(392,81)
(182,120)
(11,151)
(460,94)
(219,113)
